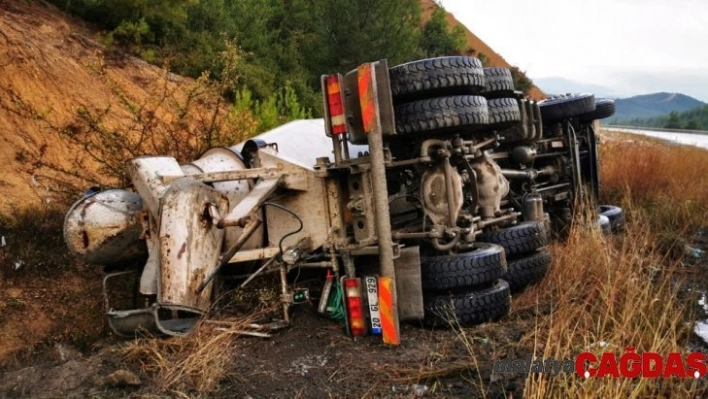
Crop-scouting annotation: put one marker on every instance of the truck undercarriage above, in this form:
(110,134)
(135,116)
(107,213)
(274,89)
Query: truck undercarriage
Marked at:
(427,193)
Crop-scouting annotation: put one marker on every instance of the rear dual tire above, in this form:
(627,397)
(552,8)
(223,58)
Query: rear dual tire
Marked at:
(518,239)
(442,114)
(468,309)
(465,289)
(527,259)
(435,77)
(469,270)
(528,270)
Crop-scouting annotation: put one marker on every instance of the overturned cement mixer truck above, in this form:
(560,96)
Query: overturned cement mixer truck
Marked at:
(427,193)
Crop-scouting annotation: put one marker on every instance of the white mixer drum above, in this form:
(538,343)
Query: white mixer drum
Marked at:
(104,228)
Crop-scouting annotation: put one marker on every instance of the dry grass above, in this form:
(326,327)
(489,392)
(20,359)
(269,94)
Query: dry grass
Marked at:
(605,295)
(665,183)
(196,366)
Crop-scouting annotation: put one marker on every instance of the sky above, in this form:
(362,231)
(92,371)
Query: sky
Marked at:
(628,47)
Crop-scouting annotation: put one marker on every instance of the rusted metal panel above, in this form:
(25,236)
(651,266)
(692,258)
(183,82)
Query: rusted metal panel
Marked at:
(335,207)
(105,228)
(361,206)
(294,177)
(190,244)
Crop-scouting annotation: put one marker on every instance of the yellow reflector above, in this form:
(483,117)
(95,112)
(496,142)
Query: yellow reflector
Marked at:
(332,86)
(356,323)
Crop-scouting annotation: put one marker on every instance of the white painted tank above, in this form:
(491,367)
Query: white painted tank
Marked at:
(302,142)
(104,228)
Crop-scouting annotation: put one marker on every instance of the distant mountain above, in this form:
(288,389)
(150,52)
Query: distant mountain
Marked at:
(694,119)
(652,105)
(557,85)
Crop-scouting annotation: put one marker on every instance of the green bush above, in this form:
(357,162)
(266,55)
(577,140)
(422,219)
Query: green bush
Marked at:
(285,46)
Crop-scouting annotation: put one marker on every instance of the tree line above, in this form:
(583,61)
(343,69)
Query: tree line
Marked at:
(284,45)
(695,119)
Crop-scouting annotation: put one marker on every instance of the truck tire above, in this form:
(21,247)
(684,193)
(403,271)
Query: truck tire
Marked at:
(615,214)
(503,112)
(603,222)
(468,309)
(433,77)
(527,270)
(476,268)
(523,238)
(567,106)
(604,108)
(441,114)
(498,83)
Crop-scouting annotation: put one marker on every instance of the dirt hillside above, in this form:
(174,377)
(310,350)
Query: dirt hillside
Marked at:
(50,68)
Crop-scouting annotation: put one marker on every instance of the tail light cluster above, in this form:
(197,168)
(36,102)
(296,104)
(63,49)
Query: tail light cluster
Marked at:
(376,307)
(335,104)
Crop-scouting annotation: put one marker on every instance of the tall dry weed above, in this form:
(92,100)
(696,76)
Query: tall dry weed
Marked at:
(607,295)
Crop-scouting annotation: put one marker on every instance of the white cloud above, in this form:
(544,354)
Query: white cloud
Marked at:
(594,41)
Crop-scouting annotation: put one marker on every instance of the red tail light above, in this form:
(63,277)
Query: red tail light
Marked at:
(335,104)
(355,307)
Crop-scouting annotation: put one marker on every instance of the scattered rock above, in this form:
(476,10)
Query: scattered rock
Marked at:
(419,390)
(692,252)
(304,364)
(63,353)
(600,345)
(121,379)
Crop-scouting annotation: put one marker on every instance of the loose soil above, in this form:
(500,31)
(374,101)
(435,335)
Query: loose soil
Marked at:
(311,359)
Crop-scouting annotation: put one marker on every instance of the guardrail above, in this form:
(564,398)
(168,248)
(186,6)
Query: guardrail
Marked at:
(655,129)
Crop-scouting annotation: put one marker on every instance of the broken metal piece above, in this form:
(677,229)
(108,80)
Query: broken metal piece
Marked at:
(251,202)
(128,323)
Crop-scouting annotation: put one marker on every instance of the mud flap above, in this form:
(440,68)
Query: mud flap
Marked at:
(408,285)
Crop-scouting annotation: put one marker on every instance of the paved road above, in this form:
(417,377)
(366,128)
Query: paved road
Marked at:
(697,140)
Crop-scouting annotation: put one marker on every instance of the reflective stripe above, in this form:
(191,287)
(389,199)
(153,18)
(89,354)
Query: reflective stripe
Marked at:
(366,97)
(390,335)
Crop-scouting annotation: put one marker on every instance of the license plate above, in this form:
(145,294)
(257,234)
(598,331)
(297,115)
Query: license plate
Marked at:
(372,293)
